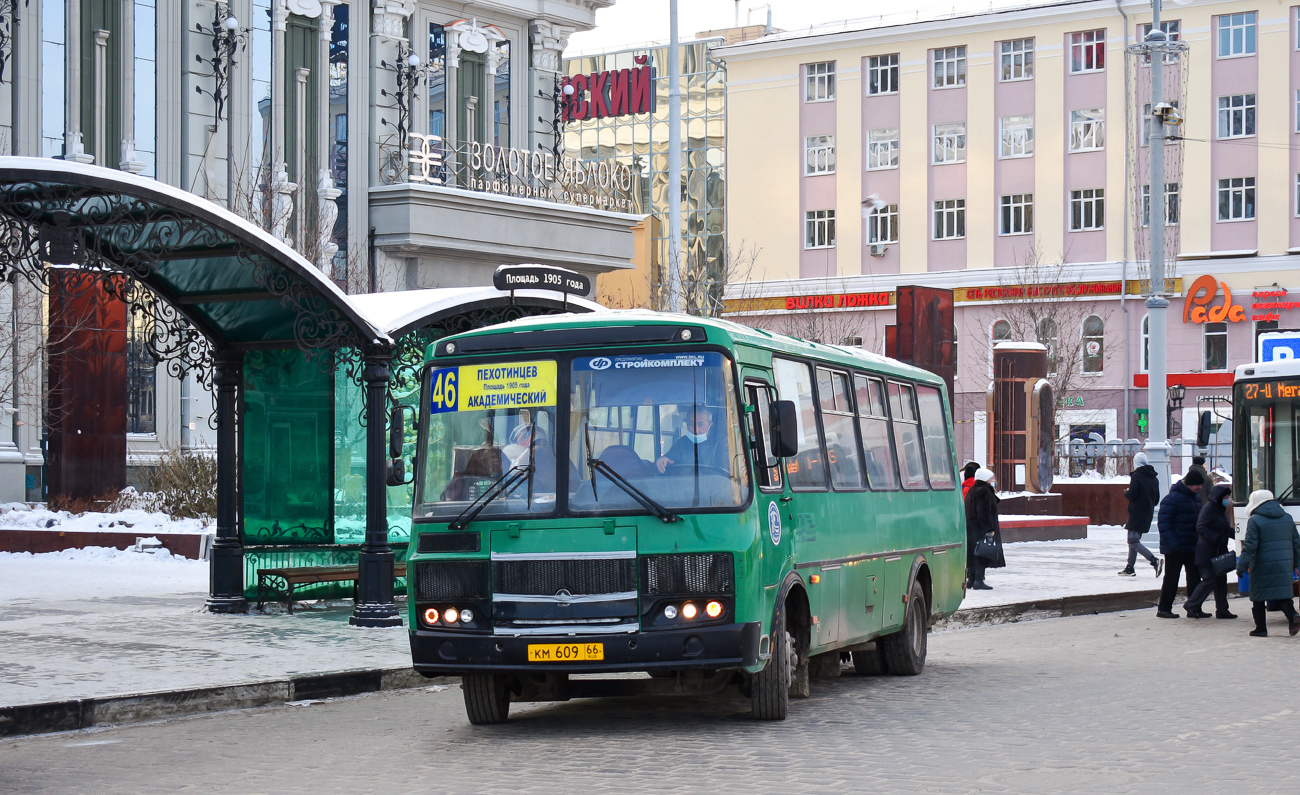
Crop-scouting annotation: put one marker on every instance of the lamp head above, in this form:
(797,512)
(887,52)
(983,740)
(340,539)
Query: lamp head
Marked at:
(413,59)
(568,90)
(231,22)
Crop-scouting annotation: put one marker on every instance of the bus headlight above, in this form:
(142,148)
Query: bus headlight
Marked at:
(670,612)
(689,610)
(451,615)
(713,609)
(466,616)
(431,615)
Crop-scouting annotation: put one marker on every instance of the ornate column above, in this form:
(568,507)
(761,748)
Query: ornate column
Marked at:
(326,192)
(226,583)
(128,161)
(73,148)
(547,41)
(281,188)
(375,606)
(388,28)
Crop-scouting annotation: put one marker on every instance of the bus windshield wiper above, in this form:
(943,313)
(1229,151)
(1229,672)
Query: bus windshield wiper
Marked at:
(596,465)
(1289,489)
(502,485)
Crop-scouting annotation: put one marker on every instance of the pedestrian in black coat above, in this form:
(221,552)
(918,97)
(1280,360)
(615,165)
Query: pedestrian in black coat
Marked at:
(1176,520)
(1213,529)
(982,520)
(1143,495)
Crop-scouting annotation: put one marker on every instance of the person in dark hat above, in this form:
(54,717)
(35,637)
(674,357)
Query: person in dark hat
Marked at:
(968,477)
(1198,465)
(1176,521)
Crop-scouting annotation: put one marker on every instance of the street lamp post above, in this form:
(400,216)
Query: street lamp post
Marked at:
(1157,445)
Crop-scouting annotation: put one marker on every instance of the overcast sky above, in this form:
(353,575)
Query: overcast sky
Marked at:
(632,22)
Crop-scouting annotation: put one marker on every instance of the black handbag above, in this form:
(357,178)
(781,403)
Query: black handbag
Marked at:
(1222,564)
(986,549)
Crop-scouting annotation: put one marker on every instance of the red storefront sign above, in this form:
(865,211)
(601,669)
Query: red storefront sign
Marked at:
(837,301)
(1043,291)
(614,92)
(1197,309)
(1267,303)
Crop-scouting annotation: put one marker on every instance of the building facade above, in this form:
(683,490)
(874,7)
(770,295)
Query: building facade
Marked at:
(397,144)
(1003,155)
(636,134)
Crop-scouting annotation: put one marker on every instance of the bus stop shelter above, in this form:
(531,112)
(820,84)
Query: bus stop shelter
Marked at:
(216,288)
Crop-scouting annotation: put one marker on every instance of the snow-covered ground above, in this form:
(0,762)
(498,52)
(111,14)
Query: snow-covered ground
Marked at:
(97,573)
(1047,569)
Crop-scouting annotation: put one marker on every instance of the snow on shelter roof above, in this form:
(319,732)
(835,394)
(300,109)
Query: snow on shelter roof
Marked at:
(235,282)
(401,311)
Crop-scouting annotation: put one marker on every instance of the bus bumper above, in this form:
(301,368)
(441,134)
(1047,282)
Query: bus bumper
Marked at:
(725,646)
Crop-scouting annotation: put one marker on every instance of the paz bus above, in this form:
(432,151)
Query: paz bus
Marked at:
(1266,435)
(708,503)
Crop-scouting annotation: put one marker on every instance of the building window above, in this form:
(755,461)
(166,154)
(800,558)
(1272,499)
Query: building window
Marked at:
(949,219)
(1171,204)
(1049,335)
(1297,195)
(1001,331)
(950,143)
(146,84)
(1236,34)
(1088,51)
(819,154)
(1094,344)
(1173,32)
(1216,346)
(141,375)
(52,79)
(1297,105)
(1087,129)
(950,67)
(1017,214)
(1017,136)
(820,79)
(819,229)
(1146,343)
(1237,116)
(882,225)
(882,74)
(882,149)
(1237,199)
(1017,59)
(1087,209)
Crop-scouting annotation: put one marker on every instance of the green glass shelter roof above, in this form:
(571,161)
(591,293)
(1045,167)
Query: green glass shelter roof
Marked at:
(238,284)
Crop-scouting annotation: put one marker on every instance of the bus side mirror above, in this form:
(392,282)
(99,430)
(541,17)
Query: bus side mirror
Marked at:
(785,429)
(1203,430)
(396,441)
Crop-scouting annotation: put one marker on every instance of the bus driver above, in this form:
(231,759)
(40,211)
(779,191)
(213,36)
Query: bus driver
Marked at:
(696,446)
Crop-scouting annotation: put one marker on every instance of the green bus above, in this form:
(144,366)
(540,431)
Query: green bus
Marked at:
(708,503)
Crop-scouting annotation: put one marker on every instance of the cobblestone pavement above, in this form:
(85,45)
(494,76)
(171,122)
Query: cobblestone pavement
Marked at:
(1115,703)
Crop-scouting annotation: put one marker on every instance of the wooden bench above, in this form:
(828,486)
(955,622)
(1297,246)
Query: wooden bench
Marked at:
(310,575)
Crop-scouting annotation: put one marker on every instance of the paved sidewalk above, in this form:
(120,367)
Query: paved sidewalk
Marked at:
(76,638)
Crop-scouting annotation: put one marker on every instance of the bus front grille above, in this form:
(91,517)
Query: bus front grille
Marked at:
(577,576)
(443,580)
(687,575)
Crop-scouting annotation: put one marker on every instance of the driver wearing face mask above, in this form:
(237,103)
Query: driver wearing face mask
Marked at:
(697,445)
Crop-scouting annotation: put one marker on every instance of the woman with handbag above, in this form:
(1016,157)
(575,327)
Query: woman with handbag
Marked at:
(983,536)
(1213,529)
(1270,553)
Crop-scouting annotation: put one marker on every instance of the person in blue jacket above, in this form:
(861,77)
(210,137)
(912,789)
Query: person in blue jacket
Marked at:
(1176,520)
(1270,553)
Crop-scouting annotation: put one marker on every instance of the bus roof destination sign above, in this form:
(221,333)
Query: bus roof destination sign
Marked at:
(540,277)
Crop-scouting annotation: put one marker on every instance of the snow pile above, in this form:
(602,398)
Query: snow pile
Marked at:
(98,573)
(19,516)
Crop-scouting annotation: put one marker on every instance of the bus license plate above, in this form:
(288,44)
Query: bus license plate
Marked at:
(565,652)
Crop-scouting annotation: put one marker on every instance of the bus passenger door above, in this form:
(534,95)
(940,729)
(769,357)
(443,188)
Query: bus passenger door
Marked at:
(774,501)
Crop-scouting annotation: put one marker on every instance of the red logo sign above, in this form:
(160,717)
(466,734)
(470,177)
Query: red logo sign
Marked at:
(837,301)
(601,95)
(1197,309)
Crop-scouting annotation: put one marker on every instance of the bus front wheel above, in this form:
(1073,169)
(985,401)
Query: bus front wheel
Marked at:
(487,699)
(904,651)
(769,689)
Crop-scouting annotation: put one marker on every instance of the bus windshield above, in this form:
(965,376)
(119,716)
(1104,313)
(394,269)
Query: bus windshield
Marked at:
(666,422)
(1267,447)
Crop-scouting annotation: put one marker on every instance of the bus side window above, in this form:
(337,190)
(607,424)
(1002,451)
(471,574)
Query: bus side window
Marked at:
(837,422)
(907,435)
(934,430)
(766,465)
(807,469)
(873,422)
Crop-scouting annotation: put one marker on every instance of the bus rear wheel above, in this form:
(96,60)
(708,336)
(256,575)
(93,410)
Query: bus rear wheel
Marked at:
(904,651)
(487,698)
(769,689)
